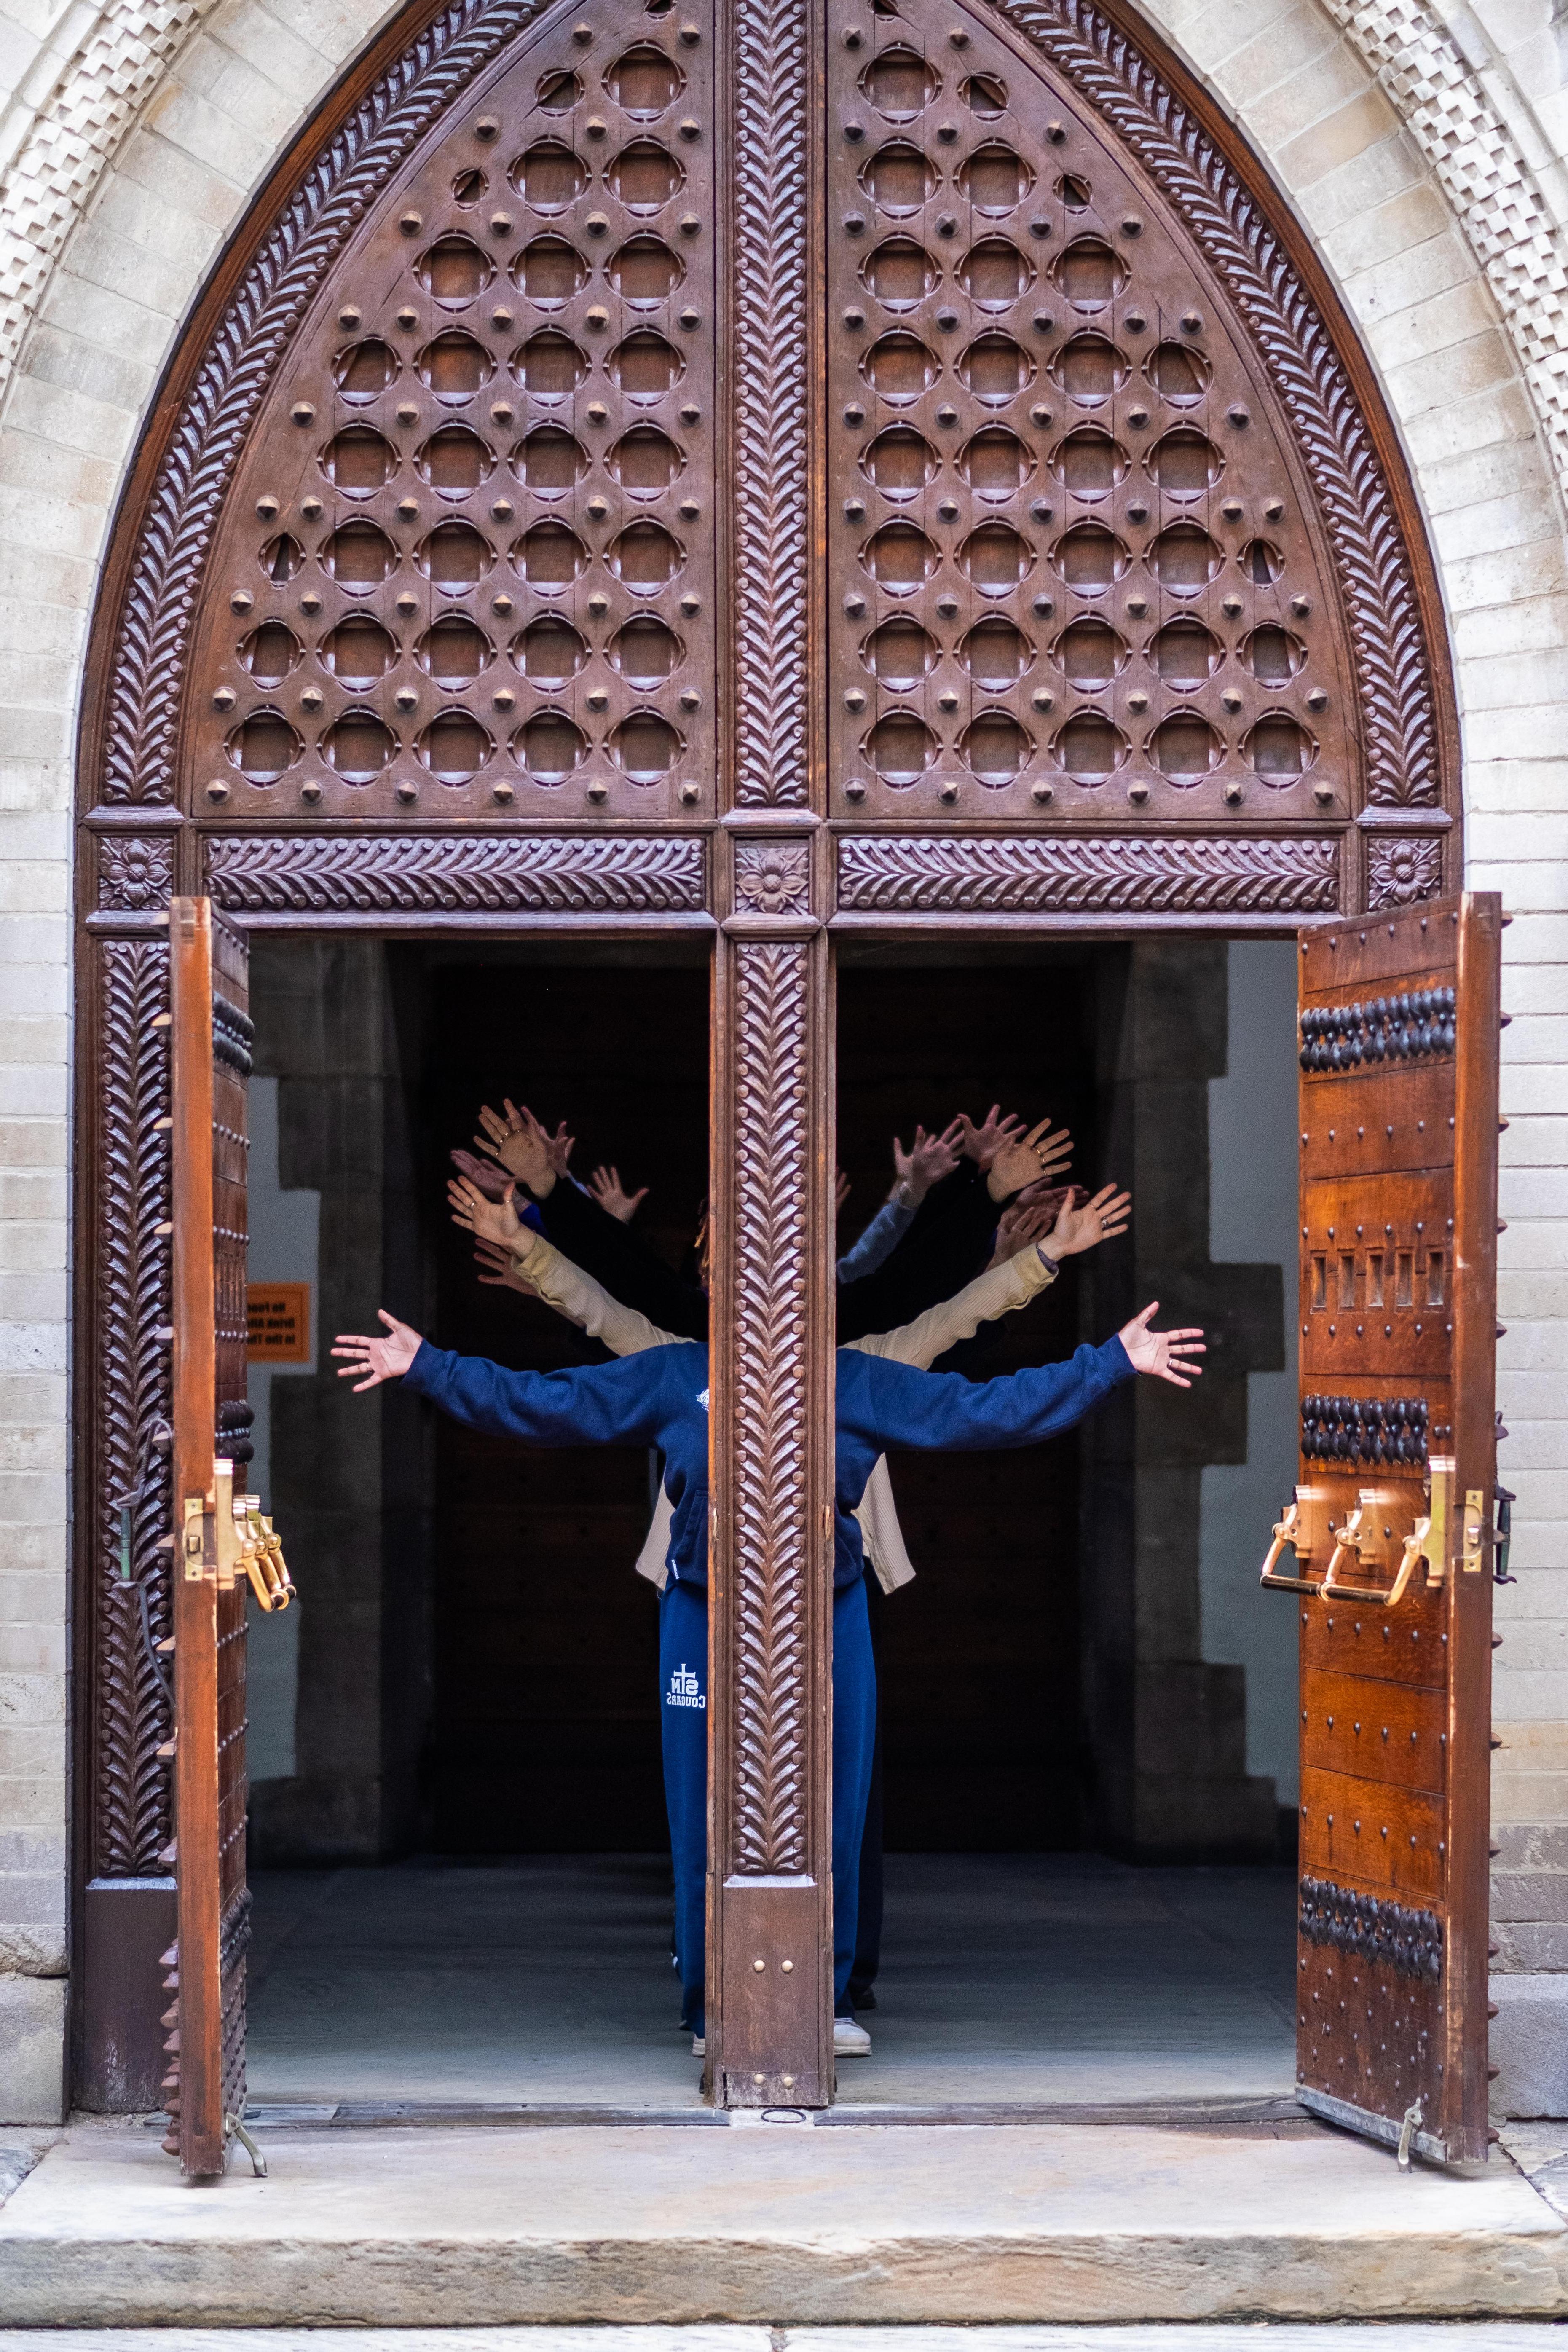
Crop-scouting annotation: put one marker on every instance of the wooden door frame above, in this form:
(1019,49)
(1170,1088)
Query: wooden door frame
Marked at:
(774,873)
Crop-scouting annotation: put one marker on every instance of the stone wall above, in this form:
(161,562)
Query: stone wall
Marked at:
(1428,159)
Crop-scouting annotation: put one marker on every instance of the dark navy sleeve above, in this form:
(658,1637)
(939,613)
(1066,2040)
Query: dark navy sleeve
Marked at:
(621,1403)
(894,1405)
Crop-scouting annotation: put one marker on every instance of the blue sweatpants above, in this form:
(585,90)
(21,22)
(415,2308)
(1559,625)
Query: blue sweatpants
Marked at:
(683,1715)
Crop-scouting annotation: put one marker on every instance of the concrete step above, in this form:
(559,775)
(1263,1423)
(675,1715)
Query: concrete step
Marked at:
(1375,2336)
(782,2225)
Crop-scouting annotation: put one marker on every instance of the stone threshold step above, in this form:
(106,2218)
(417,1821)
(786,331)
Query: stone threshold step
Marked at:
(782,2227)
(1377,2336)
(1209,2115)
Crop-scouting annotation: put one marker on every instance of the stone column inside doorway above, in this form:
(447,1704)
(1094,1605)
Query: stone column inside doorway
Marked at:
(325,1029)
(1167,1731)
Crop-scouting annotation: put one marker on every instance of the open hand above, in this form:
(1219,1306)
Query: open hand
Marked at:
(503,1270)
(929,1159)
(489,1221)
(1023,1160)
(981,1143)
(1099,1220)
(1164,1355)
(490,1179)
(1021,1222)
(385,1358)
(605,1185)
(516,1139)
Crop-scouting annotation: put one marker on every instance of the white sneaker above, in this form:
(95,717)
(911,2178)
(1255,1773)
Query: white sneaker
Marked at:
(699,2045)
(850,2040)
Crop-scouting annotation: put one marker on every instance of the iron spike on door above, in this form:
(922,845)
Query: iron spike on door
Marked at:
(220,1548)
(1398,1054)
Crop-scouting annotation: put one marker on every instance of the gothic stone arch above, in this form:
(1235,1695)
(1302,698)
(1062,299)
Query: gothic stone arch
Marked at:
(766,472)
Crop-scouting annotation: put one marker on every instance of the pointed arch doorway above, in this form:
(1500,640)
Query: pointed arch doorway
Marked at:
(779,475)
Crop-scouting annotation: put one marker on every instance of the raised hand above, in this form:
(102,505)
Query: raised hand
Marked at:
(490,1179)
(1021,1160)
(1021,1222)
(503,1270)
(929,1159)
(981,1143)
(1099,1220)
(488,1220)
(516,1139)
(385,1358)
(559,1147)
(605,1184)
(1164,1355)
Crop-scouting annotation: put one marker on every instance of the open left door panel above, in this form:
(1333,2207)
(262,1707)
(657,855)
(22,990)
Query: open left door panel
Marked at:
(1391,1527)
(220,1541)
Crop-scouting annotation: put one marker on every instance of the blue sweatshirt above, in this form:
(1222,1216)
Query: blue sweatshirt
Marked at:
(660,1398)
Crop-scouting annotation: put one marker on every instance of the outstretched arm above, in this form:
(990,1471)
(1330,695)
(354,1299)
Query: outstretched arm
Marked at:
(887,1403)
(592,1404)
(1004,1286)
(623,1330)
(878,1241)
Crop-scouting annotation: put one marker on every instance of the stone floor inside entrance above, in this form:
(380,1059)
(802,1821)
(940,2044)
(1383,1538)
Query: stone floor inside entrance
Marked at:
(1022,1980)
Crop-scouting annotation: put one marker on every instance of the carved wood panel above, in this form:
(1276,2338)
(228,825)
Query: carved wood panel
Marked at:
(774,1484)
(466,563)
(1398,1056)
(1077,566)
(130,1316)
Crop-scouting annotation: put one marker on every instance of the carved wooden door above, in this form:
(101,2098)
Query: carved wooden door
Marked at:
(204,2087)
(764,472)
(1392,1523)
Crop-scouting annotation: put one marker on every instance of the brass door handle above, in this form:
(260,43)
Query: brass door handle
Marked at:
(1347,1543)
(1427,1541)
(1287,1528)
(268,1570)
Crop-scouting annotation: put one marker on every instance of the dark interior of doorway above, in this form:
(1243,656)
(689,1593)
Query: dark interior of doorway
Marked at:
(476,1698)
(978,1659)
(543,1733)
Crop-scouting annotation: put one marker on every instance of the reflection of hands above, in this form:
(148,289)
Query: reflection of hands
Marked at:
(490,1179)
(1164,1355)
(1022,1160)
(385,1358)
(558,1147)
(605,1184)
(516,1139)
(488,1220)
(981,1143)
(929,1159)
(504,1271)
(840,1189)
(1099,1220)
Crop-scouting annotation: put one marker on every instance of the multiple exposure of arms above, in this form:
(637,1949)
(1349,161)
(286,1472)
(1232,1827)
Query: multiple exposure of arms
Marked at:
(593,1238)
(1005,1286)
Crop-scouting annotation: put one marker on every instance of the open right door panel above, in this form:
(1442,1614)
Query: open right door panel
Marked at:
(1392,1525)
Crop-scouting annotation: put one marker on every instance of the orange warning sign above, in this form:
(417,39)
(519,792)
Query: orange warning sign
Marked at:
(279,1320)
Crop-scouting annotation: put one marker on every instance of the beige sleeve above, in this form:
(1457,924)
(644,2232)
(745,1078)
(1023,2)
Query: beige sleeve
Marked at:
(583,1300)
(1000,1290)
